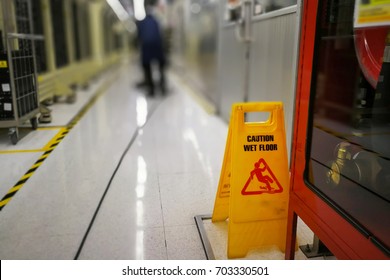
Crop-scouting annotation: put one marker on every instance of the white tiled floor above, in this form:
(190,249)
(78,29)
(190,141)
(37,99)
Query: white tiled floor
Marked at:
(172,153)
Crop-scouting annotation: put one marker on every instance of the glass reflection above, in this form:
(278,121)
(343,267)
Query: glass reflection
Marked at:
(142,176)
(266,6)
(350,134)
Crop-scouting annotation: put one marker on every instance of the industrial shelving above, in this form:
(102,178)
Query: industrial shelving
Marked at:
(49,50)
(19,91)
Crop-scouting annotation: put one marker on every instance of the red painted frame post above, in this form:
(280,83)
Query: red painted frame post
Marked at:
(342,239)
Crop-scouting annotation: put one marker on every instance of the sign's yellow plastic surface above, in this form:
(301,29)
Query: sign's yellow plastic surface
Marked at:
(221,205)
(254,183)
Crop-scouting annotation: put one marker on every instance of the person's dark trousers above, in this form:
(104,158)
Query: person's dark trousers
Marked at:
(163,88)
(148,76)
(147,67)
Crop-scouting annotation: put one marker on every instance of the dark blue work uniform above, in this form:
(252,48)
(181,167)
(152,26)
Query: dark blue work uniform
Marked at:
(152,50)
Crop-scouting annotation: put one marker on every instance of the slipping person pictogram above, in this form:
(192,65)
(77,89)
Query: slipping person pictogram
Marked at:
(268,182)
(258,171)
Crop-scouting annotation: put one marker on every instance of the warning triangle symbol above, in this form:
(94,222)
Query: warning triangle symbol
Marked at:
(261,180)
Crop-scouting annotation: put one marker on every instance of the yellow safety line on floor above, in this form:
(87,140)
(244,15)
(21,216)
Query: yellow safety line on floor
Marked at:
(34,150)
(55,138)
(22,151)
(45,148)
(53,143)
(50,127)
(202,101)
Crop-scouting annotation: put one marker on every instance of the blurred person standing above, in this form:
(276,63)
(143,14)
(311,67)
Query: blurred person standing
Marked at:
(151,45)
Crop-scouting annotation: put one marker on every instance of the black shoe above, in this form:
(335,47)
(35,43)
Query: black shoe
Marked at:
(150,91)
(141,84)
(163,89)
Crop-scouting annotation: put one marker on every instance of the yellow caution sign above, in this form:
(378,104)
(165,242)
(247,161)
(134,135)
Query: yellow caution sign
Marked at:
(254,183)
(221,205)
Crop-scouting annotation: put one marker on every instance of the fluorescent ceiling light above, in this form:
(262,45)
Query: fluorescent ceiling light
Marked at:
(139,9)
(118,9)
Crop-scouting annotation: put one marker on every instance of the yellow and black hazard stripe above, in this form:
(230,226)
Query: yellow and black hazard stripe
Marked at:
(50,147)
(24,179)
(52,144)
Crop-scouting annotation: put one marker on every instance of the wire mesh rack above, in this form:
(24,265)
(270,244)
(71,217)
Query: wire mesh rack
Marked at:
(18,75)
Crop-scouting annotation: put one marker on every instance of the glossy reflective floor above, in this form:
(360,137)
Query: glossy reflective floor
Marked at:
(125,182)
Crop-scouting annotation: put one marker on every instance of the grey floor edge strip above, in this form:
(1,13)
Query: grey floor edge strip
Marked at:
(203,235)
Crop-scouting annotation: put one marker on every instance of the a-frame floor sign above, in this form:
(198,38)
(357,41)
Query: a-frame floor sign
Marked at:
(254,182)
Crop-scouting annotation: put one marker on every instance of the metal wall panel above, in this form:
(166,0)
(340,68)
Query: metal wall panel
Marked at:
(272,64)
(220,71)
(231,71)
(194,44)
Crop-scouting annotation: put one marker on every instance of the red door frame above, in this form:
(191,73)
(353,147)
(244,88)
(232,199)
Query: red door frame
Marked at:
(342,239)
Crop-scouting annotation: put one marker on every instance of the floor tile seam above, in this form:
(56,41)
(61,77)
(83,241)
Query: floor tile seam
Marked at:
(164,227)
(155,144)
(124,154)
(101,200)
(163,218)
(200,172)
(147,124)
(156,137)
(150,227)
(181,225)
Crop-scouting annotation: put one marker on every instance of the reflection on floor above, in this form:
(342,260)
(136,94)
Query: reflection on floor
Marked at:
(124,183)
